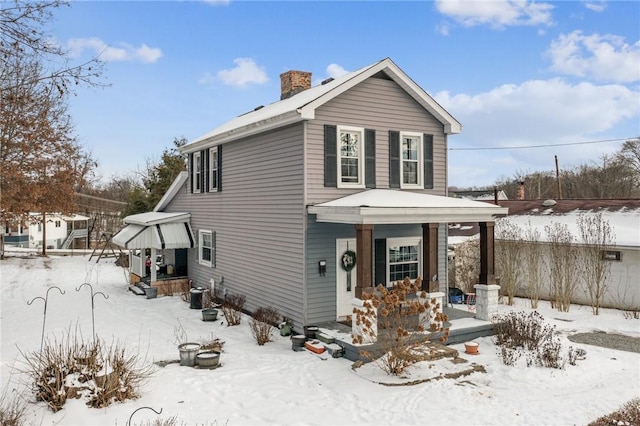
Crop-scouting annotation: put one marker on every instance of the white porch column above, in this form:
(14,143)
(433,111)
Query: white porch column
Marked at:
(427,318)
(154,274)
(486,301)
(364,321)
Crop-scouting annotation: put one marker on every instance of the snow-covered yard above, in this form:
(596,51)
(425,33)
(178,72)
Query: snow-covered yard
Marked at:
(272,384)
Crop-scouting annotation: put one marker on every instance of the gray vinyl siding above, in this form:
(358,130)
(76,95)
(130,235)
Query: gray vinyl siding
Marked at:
(258,218)
(321,245)
(376,104)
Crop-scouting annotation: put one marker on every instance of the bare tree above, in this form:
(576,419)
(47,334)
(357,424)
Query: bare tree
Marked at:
(508,249)
(563,269)
(533,260)
(41,162)
(597,241)
(467,265)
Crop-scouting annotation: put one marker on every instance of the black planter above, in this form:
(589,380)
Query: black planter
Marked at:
(310,331)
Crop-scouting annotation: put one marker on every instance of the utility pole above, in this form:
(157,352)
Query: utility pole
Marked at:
(558,179)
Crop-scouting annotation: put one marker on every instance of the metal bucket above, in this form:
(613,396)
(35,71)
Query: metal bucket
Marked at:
(188,352)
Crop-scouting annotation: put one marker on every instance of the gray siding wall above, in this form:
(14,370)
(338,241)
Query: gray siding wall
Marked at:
(258,218)
(321,245)
(374,104)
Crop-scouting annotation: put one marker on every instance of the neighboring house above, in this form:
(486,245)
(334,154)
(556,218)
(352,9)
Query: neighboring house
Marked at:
(16,234)
(624,218)
(282,197)
(61,231)
(481,195)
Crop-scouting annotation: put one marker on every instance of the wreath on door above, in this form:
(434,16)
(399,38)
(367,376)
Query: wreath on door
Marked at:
(348,260)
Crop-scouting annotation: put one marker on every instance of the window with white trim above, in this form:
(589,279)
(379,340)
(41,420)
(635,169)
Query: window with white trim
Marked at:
(412,160)
(197,171)
(206,248)
(350,157)
(403,259)
(213,169)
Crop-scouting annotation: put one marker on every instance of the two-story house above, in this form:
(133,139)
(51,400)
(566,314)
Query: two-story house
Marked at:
(305,203)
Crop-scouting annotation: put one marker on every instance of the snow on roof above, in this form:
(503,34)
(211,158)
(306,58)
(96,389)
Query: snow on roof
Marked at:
(625,224)
(153,218)
(302,106)
(396,198)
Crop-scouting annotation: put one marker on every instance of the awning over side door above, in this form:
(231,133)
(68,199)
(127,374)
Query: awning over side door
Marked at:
(156,230)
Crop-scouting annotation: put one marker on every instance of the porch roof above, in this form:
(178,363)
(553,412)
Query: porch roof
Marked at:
(157,230)
(388,206)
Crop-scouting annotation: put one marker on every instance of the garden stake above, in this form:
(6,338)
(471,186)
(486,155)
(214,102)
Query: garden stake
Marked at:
(93,320)
(44,319)
(142,408)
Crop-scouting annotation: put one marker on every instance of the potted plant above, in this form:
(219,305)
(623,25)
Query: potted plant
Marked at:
(471,348)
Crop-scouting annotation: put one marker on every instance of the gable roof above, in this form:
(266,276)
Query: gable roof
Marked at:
(302,106)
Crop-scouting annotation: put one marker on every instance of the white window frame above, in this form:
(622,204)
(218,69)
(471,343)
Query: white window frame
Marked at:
(213,169)
(361,157)
(197,172)
(405,241)
(420,161)
(201,246)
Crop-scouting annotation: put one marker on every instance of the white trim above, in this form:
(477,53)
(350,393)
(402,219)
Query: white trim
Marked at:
(419,161)
(196,169)
(403,241)
(361,157)
(201,261)
(213,169)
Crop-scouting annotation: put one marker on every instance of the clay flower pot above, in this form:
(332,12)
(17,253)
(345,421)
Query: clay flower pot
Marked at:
(471,348)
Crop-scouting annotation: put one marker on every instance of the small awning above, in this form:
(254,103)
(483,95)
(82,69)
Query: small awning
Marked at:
(157,230)
(388,206)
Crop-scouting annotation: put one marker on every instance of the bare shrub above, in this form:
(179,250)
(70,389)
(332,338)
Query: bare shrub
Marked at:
(68,369)
(521,335)
(232,308)
(508,248)
(262,324)
(597,239)
(533,261)
(563,269)
(12,410)
(627,415)
(405,318)
(185,290)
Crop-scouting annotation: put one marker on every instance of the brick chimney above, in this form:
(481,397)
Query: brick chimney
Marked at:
(294,82)
(521,190)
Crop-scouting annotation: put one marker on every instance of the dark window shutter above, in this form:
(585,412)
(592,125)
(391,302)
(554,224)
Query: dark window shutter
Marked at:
(370,158)
(394,159)
(219,168)
(191,168)
(202,171)
(207,160)
(381,261)
(213,249)
(330,156)
(428,161)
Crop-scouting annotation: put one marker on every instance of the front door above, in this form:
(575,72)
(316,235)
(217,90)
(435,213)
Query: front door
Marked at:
(345,281)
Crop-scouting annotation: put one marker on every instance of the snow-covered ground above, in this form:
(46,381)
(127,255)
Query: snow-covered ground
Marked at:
(271,384)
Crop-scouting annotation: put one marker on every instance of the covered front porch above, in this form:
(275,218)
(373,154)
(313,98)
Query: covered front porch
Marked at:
(157,244)
(367,209)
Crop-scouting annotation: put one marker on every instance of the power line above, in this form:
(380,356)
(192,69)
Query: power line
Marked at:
(543,146)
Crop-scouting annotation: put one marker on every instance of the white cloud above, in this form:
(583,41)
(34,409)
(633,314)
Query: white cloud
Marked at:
(596,6)
(443,28)
(217,2)
(335,71)
(602,57)
(536,112)
(496,13)
(245,72)
(125,52)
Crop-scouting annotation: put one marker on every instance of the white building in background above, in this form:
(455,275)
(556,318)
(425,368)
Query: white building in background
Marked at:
(61,231)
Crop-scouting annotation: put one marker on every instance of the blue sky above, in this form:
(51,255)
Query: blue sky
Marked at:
(514,73)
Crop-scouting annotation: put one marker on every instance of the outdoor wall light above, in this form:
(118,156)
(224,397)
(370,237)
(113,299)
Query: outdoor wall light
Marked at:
(322,267)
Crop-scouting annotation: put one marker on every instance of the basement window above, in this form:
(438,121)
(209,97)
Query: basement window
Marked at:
(613,255)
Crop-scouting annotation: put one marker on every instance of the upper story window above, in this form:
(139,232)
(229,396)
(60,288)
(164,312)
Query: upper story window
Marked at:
(350,157)
(197,172)
(411,160)
(58,224)
(213,169)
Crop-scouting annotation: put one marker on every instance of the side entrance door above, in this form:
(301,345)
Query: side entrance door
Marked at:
(345,281)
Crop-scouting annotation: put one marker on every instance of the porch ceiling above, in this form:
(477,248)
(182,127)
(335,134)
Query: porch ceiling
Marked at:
(388,206)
